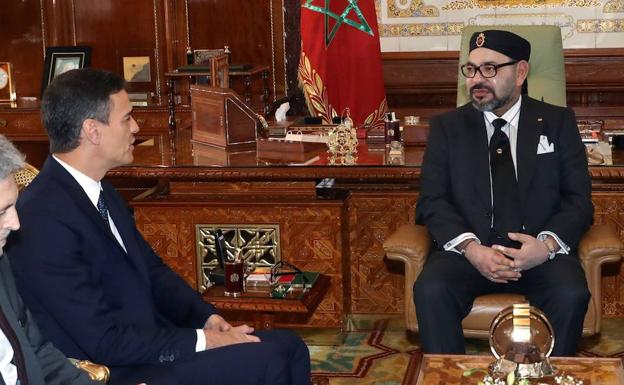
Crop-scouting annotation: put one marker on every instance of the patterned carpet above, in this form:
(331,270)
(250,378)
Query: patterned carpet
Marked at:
(377,351)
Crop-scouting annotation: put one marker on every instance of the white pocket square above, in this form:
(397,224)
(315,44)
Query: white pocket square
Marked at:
(543,147)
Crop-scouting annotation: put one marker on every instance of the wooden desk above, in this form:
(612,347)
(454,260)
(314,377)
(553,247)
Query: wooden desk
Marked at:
(259,71)
(435,369)
(256,301)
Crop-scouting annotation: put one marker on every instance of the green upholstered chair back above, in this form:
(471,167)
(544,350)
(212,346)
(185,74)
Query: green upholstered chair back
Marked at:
(547,72)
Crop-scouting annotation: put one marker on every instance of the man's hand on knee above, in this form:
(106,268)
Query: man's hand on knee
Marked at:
(533,252)
(491,263)
(215,338)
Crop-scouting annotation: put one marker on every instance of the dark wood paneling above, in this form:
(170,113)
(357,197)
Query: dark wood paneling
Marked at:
(424,83)
(242,25)
(20,28)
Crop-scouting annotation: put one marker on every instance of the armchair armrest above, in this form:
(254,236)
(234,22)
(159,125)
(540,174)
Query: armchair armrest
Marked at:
(600,244)
(409,244)
(96,372)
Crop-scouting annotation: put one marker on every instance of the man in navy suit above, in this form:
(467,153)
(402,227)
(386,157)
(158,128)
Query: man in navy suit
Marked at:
(506,194)
(96,287)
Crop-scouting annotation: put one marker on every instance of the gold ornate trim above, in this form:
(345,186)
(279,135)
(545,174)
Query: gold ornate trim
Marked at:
(512,4)
(314,90)
(600,25)
(376,118)
(614,6)
(411,8)
(421,29)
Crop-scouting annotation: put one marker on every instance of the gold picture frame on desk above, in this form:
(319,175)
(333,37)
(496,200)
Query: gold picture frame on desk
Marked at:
(7,85)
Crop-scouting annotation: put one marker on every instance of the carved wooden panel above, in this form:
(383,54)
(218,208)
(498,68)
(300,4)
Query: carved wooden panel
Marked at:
(609,208)
(310,239)
(376,285)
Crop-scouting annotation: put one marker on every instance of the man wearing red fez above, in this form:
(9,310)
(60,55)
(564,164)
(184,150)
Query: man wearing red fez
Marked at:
(506,196)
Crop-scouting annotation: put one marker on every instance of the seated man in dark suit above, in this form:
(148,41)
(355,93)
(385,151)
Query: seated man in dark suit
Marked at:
(25,356)
(506,195)
(96,287)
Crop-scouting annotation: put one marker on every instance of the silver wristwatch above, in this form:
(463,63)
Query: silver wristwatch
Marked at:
(552,253)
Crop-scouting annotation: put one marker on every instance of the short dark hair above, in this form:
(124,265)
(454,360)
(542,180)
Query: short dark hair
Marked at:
(73,97)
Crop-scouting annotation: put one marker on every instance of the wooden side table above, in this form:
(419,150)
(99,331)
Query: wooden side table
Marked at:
(263,308)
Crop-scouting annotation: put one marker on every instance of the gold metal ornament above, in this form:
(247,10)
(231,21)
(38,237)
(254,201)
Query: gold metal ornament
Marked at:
(342,142)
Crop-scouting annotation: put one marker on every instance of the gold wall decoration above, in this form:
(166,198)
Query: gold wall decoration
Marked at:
(411,8)
(421,29)
(600,25)
(614,6)
(512,4)
(259,246)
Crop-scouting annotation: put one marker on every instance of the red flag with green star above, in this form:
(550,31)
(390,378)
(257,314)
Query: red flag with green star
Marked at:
(340,63)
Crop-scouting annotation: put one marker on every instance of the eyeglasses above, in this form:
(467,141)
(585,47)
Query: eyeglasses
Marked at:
(287,270)
(487,70)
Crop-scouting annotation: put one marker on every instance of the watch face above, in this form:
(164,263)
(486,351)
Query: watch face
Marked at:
(4,78)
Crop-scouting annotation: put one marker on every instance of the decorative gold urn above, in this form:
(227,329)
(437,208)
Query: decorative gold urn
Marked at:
(521,339)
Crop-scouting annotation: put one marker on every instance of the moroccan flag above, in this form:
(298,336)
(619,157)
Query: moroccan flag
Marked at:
(340,64)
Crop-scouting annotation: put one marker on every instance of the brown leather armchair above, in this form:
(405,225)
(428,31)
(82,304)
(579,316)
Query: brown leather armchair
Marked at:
(411,244)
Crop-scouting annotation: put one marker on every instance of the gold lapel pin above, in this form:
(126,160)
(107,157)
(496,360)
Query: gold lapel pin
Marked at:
(499,151)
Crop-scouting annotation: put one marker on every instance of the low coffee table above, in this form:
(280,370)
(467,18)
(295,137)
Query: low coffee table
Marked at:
(256,302)
(438,369)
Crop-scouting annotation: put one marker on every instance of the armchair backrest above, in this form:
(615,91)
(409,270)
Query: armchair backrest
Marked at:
(547,72)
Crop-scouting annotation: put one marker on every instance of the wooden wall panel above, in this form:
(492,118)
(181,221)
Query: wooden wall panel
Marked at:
(22,44)
(376,283)
(252,29)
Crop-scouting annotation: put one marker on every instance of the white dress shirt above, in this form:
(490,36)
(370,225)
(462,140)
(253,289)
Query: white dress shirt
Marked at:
(7,369)
(93,189)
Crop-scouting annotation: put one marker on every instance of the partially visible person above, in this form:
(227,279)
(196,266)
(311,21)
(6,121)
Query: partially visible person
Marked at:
(506,194)
(26,357)
(94,284)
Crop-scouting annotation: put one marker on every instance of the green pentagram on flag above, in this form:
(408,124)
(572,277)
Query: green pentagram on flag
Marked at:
(340,19)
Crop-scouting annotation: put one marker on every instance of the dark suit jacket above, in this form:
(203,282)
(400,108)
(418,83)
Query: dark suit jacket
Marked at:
(90,297)
(44,363)
(555,188)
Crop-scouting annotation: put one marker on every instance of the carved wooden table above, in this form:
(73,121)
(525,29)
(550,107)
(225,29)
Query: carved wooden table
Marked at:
(436,369)
(256,301)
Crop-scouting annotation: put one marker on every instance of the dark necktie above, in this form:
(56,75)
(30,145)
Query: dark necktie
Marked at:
(102,207)
(18,356)
(506,198)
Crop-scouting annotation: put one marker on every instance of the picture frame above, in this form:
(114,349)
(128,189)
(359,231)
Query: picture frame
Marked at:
(137,69)
(7,85)
(61,59)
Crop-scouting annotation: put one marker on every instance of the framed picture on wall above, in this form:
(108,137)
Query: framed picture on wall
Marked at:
(62,59)
(136,69)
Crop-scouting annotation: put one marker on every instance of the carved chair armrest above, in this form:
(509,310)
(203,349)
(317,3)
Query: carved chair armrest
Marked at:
(600,244)
(410,244)
(96,372)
